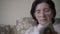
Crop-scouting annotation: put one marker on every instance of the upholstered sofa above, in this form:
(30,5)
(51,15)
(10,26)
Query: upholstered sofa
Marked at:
(4,29)
(22,25)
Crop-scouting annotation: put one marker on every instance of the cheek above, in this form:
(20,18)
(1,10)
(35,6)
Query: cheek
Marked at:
(49,16)
(37,16)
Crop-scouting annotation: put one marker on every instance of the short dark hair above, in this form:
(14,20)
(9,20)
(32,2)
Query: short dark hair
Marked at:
(49,2)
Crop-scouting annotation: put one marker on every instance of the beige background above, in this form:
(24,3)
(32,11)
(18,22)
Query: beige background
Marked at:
(12,10)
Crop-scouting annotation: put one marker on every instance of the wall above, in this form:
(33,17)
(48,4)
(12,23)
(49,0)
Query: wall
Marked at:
(57,3)
(12,10)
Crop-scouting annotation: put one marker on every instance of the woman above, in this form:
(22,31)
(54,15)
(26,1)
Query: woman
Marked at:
(43,12)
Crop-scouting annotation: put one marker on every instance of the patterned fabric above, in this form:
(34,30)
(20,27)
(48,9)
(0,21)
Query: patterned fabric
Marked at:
(4,29)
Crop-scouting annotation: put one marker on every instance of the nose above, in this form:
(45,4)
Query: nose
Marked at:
(42,14)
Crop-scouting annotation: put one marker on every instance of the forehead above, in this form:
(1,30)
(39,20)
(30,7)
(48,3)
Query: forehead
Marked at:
(42,5)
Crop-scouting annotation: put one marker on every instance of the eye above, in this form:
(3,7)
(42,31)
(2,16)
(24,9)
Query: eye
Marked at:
(37,11)
(46,10)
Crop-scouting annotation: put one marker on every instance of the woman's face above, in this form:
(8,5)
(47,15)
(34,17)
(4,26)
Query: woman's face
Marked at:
(43,13)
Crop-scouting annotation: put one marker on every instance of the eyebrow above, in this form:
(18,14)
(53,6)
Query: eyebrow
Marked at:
(46,8)
(37,10)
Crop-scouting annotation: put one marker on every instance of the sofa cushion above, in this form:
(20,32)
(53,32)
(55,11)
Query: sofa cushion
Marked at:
(4,29)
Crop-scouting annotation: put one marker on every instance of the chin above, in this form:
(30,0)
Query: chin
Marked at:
(44,23)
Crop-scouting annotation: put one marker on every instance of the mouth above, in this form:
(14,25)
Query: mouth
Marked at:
(43,20)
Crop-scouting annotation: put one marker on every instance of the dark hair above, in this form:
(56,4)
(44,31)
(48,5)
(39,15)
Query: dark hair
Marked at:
(49,2)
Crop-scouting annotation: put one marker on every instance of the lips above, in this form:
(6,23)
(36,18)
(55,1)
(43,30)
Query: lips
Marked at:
(43,20)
